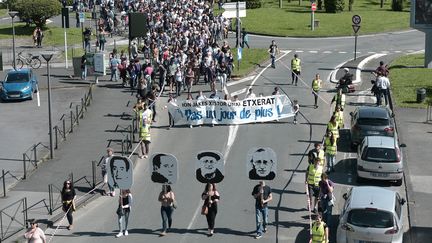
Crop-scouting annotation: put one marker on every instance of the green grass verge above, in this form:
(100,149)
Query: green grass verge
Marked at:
(294,19)
(406,76)
(53,36)
(3,12)
(250,59)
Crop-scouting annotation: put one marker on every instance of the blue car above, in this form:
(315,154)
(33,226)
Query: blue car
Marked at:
(19,85)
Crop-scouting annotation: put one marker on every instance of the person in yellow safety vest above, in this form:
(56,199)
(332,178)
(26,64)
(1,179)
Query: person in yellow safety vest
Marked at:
(330,148)
(339,117)
(295,69)
(316,86)
(147,117)
(339,98)
(333,127)
(313,177)
(320,233)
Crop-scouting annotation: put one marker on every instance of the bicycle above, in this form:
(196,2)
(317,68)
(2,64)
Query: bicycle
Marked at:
(31,61)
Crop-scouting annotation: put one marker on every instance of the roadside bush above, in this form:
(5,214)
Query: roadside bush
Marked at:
(37,11)
(251,4)
(397,5)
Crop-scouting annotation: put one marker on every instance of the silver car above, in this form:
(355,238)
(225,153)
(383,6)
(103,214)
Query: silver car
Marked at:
(380,158)
(371,215)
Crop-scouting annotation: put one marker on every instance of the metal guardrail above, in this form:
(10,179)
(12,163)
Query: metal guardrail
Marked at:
(13,218)
(37,152)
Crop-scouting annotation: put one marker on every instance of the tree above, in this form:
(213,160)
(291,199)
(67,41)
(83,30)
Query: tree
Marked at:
(334,6)
(37,11)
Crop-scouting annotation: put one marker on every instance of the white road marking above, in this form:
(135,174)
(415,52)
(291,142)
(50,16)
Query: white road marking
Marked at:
(326,52)
(299,51)
(313,51)
(371,52)
(397,51)
(342,52)
(238,92)
(240,81)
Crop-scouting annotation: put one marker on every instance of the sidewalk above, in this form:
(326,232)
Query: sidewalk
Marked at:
(102,127)
(417,135)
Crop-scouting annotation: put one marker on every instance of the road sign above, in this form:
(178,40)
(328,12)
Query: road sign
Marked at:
(356,28)
(230,6)
(356,19)
(81,17)
(233,14)
(239,53)
(313,7)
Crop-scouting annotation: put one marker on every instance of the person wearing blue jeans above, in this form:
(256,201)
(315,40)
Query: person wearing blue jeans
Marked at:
(326,198)
(262,195)
(167,199)
(273,51)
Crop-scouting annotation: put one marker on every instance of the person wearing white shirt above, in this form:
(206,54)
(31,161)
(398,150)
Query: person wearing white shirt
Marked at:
(383,84)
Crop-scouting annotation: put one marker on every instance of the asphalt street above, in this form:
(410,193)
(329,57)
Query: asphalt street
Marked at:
(96,222)
(235,220)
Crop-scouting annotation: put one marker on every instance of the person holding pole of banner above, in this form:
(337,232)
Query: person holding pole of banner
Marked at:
(262,194)
(145,131)
(316,86)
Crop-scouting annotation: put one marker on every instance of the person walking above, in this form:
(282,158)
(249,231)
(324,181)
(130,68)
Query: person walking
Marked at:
(320,233)
(296,109)
(383,84)
(313,177)
(326,198)
(211,198)
(316,152)
(333,126)
(87,37)
(101,39)
(273,51)
(68,195)
(37,37)
(83,67)
(262,195)
(245,38)
(295,69)
(104,166)
(316,87)
(114,62)
(123,211)
(330,148)
(35,234)
(339,99)
(145,130)
(178,81)
(167,199)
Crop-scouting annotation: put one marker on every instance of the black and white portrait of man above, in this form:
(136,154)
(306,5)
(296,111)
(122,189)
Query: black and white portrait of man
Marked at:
(210,167)
(261,164)
(120,172)
(164,168)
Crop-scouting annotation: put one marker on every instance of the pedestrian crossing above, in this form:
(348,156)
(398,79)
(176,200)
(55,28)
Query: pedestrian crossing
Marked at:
(359,52)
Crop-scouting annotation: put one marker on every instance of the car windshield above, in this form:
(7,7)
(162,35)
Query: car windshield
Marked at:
(371,218)
(380,154)
(17,78)
(373,121)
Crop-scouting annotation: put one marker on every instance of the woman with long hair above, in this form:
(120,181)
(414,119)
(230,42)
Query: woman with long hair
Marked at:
(167,199)
(211,198)
(123,211)
(68,205)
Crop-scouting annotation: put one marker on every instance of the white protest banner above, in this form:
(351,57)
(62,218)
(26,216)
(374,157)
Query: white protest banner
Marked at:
(216,111)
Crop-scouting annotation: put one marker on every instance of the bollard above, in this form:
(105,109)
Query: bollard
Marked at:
(82,107)
(94,173)
(56,139)
(122,145)
(24,167)
(71,119)
(64,129)
(77,115)
(4,183)
(71,177)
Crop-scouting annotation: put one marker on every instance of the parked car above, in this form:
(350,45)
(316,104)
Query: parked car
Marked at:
(371,214)
(380,158)
(18,85)
(369,121)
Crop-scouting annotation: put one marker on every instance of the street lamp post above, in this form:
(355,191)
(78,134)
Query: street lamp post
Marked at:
(13,14)
(47,56)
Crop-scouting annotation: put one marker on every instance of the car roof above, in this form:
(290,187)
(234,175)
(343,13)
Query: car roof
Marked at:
(373,197)
(22,70)
(380,141)
(373,112)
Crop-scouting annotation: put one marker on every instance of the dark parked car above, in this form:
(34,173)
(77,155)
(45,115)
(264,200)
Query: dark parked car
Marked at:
(371,121)
(19,85)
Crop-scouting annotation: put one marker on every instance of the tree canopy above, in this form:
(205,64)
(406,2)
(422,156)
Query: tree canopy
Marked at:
(38,11)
